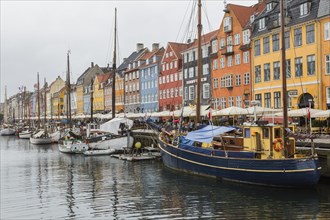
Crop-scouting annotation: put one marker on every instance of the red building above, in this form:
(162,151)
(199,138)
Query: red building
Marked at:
(170,77)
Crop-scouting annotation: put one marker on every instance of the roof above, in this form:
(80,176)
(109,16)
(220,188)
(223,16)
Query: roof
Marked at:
(293,13)
(324,8)
(103,77)
(242,13)
(177,48)
(206,38)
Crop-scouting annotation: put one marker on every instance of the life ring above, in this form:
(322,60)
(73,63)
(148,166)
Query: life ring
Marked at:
(278,144)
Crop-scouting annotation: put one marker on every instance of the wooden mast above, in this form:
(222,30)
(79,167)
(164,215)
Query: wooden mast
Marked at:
(284,78)
(199,64)
(68,91)
(38,100)
(114,70)
(45,105)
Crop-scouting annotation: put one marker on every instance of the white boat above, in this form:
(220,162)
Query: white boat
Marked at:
(26,134)
(41,137)
(7,132)
(55,136)
(72,146)
(110,141)
(99,152)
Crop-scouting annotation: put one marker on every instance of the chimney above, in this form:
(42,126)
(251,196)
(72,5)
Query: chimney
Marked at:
(92,64)
(139,46)
(155,46)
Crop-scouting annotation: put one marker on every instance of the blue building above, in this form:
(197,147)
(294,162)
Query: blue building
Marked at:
(149,72)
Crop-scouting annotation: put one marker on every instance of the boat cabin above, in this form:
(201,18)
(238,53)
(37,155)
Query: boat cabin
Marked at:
(267,141)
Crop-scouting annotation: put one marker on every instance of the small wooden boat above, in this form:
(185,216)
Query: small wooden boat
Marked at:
(7,132)
(99,152)
(26,134)
(72,146)
(41,137)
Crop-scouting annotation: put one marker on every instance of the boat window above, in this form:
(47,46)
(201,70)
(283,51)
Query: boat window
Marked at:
(246,132)
(277,132)
(265,133)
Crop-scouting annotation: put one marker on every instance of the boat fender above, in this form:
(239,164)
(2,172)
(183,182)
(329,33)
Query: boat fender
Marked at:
(278,144)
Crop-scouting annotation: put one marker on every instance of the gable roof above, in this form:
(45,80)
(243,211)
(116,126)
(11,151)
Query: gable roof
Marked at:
(242,13)
(206,38)
(177,48)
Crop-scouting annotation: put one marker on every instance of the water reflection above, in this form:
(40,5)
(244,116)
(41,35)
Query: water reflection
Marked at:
(40,182)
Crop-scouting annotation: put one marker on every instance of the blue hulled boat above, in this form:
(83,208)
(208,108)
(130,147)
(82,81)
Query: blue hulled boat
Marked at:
(243,163)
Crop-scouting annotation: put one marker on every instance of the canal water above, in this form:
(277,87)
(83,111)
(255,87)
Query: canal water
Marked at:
(39,182)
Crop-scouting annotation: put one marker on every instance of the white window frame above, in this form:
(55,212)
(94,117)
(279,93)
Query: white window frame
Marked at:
(327,31)
(206,91)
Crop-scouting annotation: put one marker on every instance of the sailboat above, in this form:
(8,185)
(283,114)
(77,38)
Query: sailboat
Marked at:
(7,129)
(41,136)
(265,155)
(110,140)
(70,142)
(26,132)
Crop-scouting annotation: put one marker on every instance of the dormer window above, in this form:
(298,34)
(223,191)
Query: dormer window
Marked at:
(130,66)
(262,24)
(252,18)
(227,24)
(139,63)
(269,6)
(154,58)
(304,8)
(147,61)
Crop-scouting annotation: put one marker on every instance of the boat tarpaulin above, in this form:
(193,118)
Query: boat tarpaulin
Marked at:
(207,133)
(113,125)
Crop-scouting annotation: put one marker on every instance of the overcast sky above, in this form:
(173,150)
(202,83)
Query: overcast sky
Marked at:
(36,35)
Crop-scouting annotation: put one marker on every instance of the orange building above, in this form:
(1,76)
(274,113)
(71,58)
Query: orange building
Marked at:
(230,57)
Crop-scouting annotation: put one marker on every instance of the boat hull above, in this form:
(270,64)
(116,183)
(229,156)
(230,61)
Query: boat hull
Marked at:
(117,143)
(40,141)
(72,147)
(99,152)
(7,132)
(297,172)
(24,135)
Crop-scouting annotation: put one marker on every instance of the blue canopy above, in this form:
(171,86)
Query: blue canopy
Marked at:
(207,133)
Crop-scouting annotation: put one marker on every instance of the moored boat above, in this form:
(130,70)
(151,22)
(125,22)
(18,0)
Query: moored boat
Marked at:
(7,132)
(25,134)
(41,137)
(99,152)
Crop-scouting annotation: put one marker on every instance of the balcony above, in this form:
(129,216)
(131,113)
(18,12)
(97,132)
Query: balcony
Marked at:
(227,51)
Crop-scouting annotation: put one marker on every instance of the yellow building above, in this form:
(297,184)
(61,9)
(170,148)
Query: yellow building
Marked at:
(324,36)
(98,94)
(303,58)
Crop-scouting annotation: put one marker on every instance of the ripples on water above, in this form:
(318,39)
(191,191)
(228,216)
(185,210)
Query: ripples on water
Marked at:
(39,182)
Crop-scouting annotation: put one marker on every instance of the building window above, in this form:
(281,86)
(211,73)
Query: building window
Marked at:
(237,39)
(214,46)
(262,24)
(185,73)
(186,93)
(269,6)
(227,24)
(311,65)
(191,92)
(230,101)
(246,78)
(276,42)
(223,102)
(238,80)
(229,44)
(229,61)
(327,64)
(310,34)
(215,64)
(297,37)
(222,63)
(246,57)
(257,73)
(266,45)
(266,72)
(277,99)
(246,37)
(304,9)
(258,98)
(276,70)
(206,91)
(222,43)
(287,39)
(298,67)
(328,95)
(267,100)
(327,31)
(257,48)
(191,72)
(239,101)
(215,83)
(238,59)
(288,68)
(206,69)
